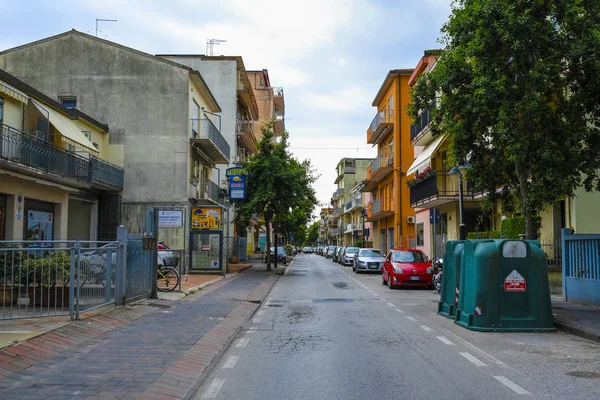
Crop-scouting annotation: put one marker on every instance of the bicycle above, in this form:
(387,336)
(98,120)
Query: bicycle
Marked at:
(167,277)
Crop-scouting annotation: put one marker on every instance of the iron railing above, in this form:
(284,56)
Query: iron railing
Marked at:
(378,120)
(244,126)
(375,164)
(421,123)
(376,206)
(205,129)
(209,190)
(439,184)
(337,193)
(277,91)
(30,151)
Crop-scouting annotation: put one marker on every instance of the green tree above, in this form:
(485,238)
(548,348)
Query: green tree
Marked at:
(279,187)
(313,233)
(516,90)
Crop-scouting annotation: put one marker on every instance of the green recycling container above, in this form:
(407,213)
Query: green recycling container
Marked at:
(450,278)
(504,287)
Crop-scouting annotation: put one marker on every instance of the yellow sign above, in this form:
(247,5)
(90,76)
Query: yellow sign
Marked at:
(207,218)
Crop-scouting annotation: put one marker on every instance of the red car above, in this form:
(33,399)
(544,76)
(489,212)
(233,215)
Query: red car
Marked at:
(406,268)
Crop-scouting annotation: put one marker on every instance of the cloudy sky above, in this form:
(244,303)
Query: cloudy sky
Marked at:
(330,56)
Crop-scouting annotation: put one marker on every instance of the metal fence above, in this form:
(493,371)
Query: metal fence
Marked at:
(235,247)
(553,250)
(54,278)
(581,267)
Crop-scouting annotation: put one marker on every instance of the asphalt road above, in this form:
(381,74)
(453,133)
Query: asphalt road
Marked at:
(327,333)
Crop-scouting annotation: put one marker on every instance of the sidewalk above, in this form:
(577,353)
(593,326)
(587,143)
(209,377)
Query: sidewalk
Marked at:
(577,319)
(155,349)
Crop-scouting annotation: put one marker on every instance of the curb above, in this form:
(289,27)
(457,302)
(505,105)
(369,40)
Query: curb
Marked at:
(577,330)
(288,268)
(205,284)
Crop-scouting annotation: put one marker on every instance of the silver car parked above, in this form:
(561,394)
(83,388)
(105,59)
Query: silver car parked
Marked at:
(368,260)
(348,255)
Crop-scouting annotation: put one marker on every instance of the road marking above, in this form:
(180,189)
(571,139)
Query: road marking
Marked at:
(214,388)
(400,311)
(473,359)
(261,312)
(256,320)
(426,328)
(230,363)
(507,382)
(411,319)
(391,305)
(446,341)
(243,342)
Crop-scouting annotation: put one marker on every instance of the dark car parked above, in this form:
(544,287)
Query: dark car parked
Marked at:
(281,255)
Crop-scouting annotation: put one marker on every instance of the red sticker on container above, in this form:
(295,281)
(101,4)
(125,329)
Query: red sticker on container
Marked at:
(515,282)
(478,310)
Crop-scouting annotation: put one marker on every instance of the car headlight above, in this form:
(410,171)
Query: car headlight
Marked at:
(429,271)
(398,270)
(360,262)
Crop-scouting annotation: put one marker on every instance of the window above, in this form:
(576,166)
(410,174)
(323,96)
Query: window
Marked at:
(1,109)
(392,190)
(420,238)
(408,256)
(68,101)
(2,216)
(390,108)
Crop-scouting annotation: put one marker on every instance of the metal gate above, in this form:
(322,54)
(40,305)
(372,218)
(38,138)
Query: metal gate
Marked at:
(141,268)
(206,251)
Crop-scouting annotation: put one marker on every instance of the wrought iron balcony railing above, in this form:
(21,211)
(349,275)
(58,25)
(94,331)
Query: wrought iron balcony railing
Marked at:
(205,129)
(29,151)
(420,125)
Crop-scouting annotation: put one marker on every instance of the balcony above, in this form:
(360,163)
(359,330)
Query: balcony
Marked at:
(279,122)
(350,228)
(278,99)
(380,126)
(332,223)
(437,189)
(376,210)
(244,130)
(420,134)
(337,193)
(334,231)
(206,191)
(380,167)
(207,139)
(353,204)
(346,170)
(338,211)
(23,152)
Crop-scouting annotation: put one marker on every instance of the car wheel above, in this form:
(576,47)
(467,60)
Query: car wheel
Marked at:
(383,281)
(390,282)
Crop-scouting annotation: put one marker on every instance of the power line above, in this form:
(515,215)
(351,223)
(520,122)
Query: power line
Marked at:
(330,148)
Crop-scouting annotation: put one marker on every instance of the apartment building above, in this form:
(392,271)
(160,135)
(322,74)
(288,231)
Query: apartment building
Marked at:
(60,177)
(390,210)
(270,101)
(162,114)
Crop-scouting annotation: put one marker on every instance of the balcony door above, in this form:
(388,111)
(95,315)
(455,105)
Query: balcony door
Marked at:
(390,239)
(382,243)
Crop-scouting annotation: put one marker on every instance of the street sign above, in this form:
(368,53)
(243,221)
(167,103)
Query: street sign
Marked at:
(170,219)
(237,187)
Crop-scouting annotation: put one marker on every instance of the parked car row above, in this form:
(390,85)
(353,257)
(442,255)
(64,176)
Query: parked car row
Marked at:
(400,268)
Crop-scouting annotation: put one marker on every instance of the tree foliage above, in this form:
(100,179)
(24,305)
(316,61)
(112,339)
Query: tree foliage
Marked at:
(313,233)
(516,89)
(279,187)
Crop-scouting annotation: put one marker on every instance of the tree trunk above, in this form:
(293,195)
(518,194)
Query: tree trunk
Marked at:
(268,249)
(530,233)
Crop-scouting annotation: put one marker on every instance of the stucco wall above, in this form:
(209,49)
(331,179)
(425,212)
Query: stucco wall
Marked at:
(144,101)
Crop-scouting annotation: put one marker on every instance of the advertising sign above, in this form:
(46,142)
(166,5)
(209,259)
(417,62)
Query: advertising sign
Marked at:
(170,219)
(235,171)
(515,282)
(207,218)
(237,187)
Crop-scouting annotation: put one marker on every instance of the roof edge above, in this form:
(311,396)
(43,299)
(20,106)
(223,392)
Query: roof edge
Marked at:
(387,82)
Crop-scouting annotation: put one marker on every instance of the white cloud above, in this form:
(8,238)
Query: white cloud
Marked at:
(341,62)
(349,99)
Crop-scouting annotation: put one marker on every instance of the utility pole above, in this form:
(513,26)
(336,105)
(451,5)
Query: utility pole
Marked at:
(103,20)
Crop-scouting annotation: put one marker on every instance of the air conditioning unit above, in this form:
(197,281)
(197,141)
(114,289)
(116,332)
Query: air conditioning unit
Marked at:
(411,219)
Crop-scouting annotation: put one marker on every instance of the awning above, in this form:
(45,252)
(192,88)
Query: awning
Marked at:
(13,92)
(68,130)
(423,159)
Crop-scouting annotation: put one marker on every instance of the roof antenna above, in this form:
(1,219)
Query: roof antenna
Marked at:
(210,43)
(103,20)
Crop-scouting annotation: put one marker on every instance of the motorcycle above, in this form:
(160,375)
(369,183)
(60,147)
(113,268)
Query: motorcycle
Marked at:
(436,270)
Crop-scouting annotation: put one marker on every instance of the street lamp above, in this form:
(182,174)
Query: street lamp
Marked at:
(462,229)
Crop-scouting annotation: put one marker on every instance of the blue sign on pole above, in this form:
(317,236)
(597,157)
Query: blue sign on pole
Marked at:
(237,187)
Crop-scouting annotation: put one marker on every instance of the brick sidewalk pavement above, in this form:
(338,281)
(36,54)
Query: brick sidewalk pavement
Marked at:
(155,350)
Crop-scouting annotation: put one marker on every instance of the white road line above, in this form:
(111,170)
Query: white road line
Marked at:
(413,319)
(214,388)
(446,341)
(391,304)
(261,312)
(473,359)
(230,363)
(400,311)
(243,342)
(507,382)
(256,320)
(426,328)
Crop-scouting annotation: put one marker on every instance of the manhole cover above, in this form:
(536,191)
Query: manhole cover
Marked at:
(332,300)
(340,284)
(584,374)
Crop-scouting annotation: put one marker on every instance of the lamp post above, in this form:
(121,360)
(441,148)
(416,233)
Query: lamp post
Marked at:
(462,229)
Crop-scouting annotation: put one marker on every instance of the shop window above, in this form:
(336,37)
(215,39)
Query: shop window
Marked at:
(39,220)
(420,238)
(2,217)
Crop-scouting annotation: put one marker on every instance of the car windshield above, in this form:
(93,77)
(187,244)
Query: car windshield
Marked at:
(279,250)
(369,253)
(351,250)
(408,256)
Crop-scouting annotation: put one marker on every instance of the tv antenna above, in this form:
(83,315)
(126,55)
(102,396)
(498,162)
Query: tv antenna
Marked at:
(212,42)
(103,20)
